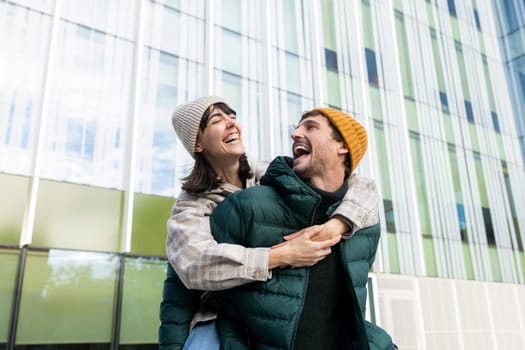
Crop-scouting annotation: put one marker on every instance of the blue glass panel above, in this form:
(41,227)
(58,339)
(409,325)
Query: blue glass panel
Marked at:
(470,112)
(331,60)
(371,66)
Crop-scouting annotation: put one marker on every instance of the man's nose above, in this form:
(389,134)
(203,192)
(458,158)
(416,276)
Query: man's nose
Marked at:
(295,134)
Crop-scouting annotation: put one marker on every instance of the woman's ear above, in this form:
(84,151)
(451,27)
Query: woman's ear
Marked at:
(198,148)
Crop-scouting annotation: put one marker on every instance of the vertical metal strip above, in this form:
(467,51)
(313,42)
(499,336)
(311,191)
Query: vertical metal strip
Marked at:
(209,57)
(132,136)
(29,215)
(317,54)
(267,105)
(17,297)
(117,311)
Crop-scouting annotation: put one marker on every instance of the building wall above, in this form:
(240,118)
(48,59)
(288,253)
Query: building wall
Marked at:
(90,165)
(511,30)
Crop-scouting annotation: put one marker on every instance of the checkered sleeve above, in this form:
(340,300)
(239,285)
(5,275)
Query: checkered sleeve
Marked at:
(360,204)
(201,262)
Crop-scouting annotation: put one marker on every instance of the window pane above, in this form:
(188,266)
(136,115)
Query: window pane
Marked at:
(419,177)
(77,217)
(89,107)
(141,295)
(114,17)
(12,207)
(68,297)
(24,35)
(150,215)
(8,270)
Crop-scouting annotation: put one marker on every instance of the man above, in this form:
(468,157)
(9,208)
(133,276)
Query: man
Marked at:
(321,307)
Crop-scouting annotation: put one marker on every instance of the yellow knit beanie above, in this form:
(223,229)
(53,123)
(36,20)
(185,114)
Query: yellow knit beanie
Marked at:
(354,134)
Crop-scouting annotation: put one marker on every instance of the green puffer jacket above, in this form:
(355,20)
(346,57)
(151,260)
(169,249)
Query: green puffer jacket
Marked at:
(267,313)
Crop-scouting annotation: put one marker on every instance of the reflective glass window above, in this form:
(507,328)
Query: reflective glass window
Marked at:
(371,67)
(469,111)
(419,177)
(75,216)
(150,214)
(452,7)
(89,107)
(12,207)
(141,296)
(67,298)
(404,57)
(112,17)
(331,60)
(8,271)
(24,37)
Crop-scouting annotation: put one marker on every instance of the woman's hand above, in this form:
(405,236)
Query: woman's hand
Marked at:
(303,248)
(333,228)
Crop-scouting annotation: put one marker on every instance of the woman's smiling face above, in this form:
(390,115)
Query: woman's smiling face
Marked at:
(221,137)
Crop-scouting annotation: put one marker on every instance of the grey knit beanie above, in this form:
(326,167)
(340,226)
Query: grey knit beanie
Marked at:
(187,117)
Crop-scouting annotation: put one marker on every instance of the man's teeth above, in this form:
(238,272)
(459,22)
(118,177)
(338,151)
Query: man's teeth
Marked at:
(300,150)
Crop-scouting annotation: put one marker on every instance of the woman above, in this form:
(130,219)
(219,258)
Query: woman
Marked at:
(209,131)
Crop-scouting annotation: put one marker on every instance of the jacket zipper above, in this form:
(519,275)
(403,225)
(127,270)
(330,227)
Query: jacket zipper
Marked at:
(307,272)
(305,286)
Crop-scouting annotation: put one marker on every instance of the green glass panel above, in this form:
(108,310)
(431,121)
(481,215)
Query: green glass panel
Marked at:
(231,15)
(334,91)
(453,160)
(293,75)
(474,142)
(489,85)
(495,265)
(447,122)
(76,216)
(424,216)
(231,58)
(469,267)
(67,298)
(291,40)
(430,15)
(481,43)
(437,61)
(411,115)
(404,59)
(173,3)
(501,150)
(398,5)
(8,270)
(522,262)
(375,102)
(381,155)
(327,9)
(455,27)
(141,295)
(462,70)
(150,215)
(481,181)
(368,32)
(12,205)
(430,257)
(393,253)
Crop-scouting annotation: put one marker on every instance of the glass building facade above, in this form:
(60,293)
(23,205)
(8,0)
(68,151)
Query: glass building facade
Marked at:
(90,165)
(511,29)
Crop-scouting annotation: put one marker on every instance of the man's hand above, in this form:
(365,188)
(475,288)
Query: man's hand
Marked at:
(303,248)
